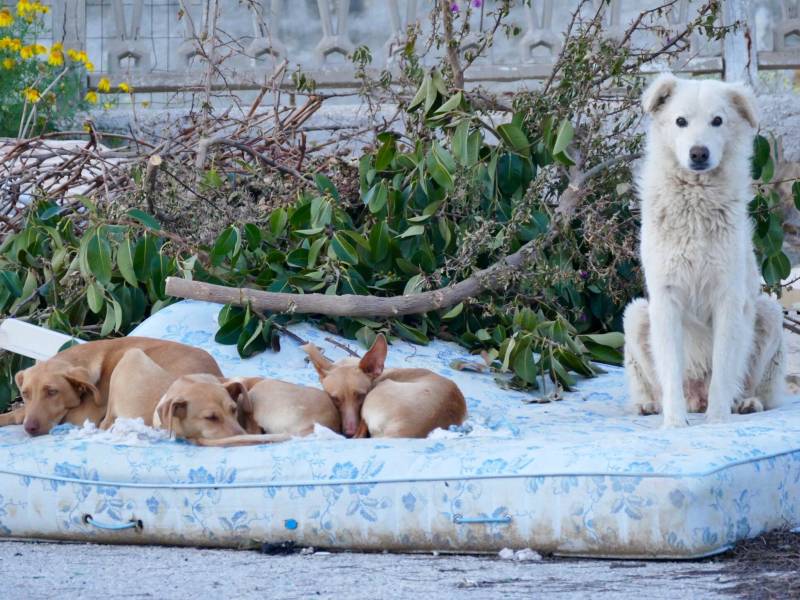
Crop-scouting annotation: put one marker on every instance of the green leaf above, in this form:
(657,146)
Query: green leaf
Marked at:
(768,170)
(524,365)
(414,285)
(452,104)
(515,138)
(325,185)
(775,268)
(227,244)
(277,222)
(419,97)
(407,332)
(379,241)
(117,315)
(144,218)
(376,197)
(342,249)
(438,170)
(313,252)
(253,235)
(108,322)
(613,339)
(563,139)
(125,262)
(386,153)
(94,297)
(212,179)
(412,231)
(796,194)
(604,353)
(454,312)
(98,257)
(230,331)
(460,142)
(251,341)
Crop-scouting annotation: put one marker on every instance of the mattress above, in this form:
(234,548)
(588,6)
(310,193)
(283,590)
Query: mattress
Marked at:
(578,476)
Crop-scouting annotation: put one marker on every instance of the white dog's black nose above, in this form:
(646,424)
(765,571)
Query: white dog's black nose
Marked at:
(699,156)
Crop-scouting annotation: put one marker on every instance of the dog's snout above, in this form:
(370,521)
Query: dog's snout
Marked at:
(699,155)
(32,426)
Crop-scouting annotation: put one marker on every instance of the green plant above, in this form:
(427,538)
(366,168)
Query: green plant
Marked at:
(40,88)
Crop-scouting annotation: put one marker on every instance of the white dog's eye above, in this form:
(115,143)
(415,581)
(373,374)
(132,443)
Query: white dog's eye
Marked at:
(681,122)
(717,121)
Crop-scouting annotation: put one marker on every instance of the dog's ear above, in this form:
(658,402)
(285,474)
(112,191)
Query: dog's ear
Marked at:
(237,390)
(372,362)
(84,384)
(19,379)
(744,102)
(321,364)
(658,92)
(175,408)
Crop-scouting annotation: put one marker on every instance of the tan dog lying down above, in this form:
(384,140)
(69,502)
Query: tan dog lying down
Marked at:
(391,403)
(74,385)
(276,411)
(191,406)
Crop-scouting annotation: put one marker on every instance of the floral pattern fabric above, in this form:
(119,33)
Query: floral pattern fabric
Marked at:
(580,476)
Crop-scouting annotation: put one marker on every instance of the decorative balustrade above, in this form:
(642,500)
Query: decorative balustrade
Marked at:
(163,45)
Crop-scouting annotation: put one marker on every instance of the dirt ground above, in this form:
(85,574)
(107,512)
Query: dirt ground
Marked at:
(763,568)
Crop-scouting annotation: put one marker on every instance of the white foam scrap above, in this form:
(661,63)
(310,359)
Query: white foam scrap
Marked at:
(323,433)
(131,432)
(469,428)
(525,555)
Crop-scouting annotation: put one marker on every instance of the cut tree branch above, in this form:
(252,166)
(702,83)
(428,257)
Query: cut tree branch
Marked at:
(351,305)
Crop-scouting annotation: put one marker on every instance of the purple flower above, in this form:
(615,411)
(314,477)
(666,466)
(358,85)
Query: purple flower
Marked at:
(454,7)
(477,3)
(584,275)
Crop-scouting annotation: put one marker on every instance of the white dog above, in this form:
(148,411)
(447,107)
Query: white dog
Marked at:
(707,337)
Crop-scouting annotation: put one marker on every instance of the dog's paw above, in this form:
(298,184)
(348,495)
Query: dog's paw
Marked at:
(649,408)
(748,405)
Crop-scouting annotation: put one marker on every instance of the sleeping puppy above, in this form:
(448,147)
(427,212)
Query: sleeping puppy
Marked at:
(275,411)
(190,406)
(73,386)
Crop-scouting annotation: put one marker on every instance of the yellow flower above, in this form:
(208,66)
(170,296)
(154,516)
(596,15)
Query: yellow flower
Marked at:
(6,20)
(91,97)
(107,105)
(39,49)
(32,95)
(26,52)
(56,56)
(73,54)
(8,63)
(104,85)
(13,44)
(125,88)
(89,65)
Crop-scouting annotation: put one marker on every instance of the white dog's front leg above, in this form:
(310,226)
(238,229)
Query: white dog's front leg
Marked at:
(732,342)
(666,332)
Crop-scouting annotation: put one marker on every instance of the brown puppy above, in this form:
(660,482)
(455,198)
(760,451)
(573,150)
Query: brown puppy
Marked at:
(74,385)
(391,403)
(202,406)
(277,411)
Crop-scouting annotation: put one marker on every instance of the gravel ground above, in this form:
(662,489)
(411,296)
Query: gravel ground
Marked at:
(766,567)
(33,570)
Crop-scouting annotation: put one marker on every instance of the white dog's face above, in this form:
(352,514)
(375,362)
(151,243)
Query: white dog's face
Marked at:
(699,120)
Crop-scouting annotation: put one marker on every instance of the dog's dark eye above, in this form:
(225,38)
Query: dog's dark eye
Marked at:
(212,418)
(717,121)
(681,122)
(52,392)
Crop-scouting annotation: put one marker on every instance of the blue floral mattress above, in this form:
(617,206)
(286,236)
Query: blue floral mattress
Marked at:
(574,477)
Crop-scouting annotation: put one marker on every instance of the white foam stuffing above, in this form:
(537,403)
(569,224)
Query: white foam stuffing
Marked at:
(525,555)
(131,432)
